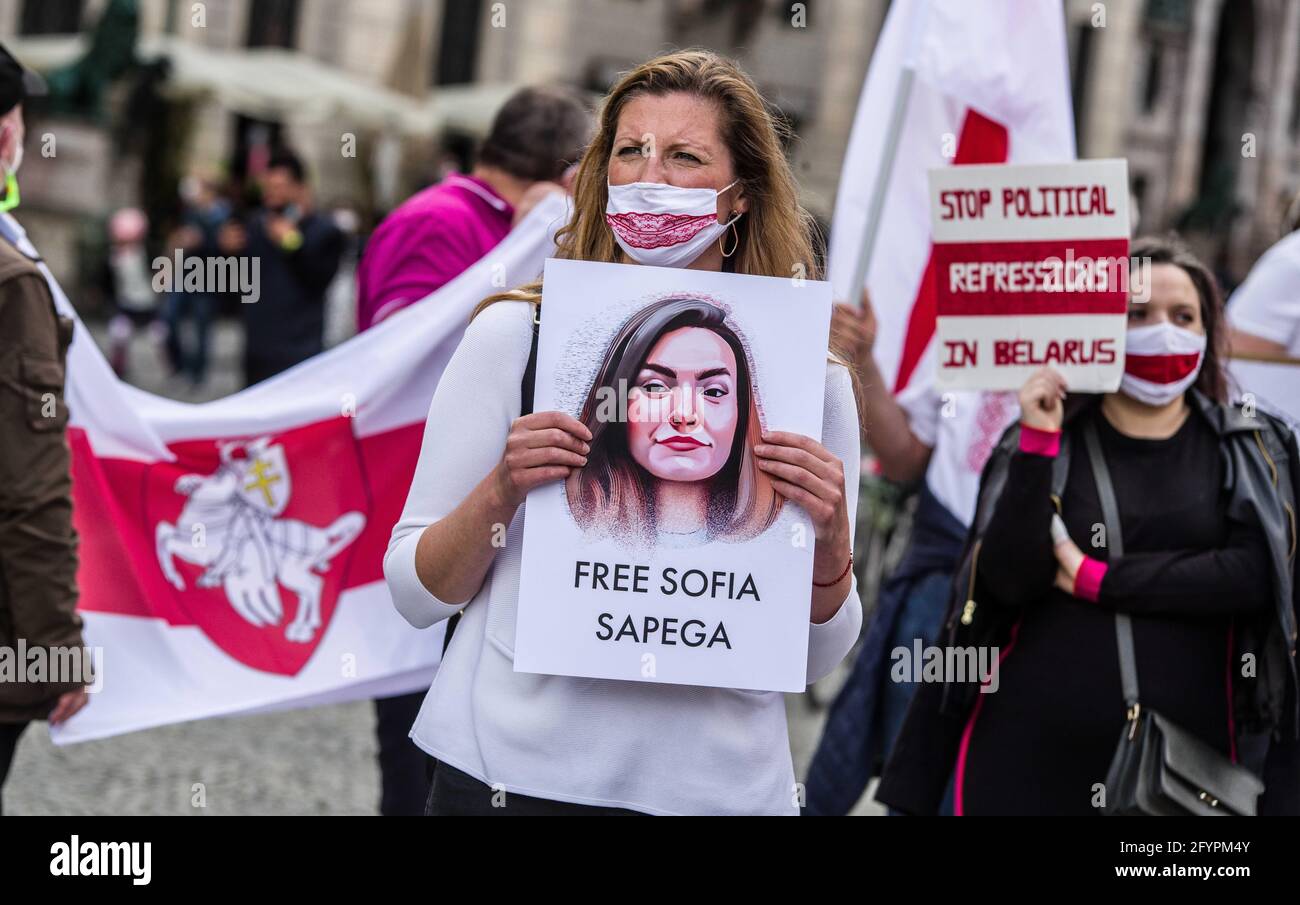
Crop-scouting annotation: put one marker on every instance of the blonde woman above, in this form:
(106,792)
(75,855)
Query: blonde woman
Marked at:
(686,170)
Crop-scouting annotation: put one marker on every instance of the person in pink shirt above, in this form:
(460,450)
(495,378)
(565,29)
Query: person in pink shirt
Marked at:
(426,242)
(439,232)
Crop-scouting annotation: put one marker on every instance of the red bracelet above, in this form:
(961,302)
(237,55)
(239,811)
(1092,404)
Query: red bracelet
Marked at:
(838,578)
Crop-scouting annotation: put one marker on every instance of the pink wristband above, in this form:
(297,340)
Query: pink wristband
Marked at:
(1087,581)
(1039,442)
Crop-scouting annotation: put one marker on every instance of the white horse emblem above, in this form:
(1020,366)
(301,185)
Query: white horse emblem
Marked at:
(230,525)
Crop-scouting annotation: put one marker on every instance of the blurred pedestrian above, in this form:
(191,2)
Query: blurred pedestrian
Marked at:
(296,251)
(429,241)
(1195,567)
(130,286)
(536,136)
(189,314)
(38,546)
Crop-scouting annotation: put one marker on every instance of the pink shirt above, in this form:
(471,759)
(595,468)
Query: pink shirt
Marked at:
(427,241)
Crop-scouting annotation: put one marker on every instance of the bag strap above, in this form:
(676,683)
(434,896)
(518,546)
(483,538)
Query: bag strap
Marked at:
(1061,469)
(526,388)
(1127,658)
(1115,547)
(530,370)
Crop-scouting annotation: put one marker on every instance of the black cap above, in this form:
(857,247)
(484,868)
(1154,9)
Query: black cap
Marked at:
(17,82)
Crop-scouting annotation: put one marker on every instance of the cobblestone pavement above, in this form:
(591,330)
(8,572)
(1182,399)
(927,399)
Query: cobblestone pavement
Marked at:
(316,761)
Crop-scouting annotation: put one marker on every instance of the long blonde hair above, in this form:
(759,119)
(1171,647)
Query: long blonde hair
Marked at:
(775,235)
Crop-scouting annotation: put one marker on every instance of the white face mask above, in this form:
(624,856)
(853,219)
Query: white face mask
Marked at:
(663,225)
(1161,362)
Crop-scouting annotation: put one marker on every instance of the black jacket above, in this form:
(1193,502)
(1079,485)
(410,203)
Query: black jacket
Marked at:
(286,325)
(1262,472)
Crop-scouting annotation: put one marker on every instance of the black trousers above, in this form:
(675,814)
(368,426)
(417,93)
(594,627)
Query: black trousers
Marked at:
(9,733)
(457,794)
(404,769)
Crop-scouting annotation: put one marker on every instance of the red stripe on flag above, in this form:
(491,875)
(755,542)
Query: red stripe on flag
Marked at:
(982,140)
(108,513)
(1110,256)
(1161,368)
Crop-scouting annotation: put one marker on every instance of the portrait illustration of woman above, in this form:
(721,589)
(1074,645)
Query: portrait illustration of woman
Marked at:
(679,469)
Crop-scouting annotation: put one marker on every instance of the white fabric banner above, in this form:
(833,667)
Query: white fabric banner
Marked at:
(231,552)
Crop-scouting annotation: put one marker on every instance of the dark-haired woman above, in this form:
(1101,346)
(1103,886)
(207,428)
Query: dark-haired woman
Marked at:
(681,471)
(709,188)
(1205,576)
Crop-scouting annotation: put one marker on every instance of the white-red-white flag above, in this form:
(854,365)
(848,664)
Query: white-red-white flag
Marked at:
(232,552)
(950,82)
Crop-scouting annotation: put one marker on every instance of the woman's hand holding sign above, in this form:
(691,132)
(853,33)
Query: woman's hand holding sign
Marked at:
(1042,409)
(804,472)
(1041,400)
(541,447)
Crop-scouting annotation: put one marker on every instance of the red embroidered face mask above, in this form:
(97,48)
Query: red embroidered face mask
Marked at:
(663,225)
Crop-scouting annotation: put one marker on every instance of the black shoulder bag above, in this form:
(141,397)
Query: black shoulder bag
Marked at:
(526,387)
(1160,769)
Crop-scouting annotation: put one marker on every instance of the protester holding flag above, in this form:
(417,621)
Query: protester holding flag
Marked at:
(128,283)
(672,131)
(421,246)
(1204,573)
(950,83)
(38,546)
(433,236)
(1265,309)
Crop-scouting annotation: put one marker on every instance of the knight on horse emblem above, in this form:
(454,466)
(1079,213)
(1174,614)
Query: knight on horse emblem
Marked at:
(231,526)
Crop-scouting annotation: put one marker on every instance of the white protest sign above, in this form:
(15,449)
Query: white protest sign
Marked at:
(670,557)
(1031,269)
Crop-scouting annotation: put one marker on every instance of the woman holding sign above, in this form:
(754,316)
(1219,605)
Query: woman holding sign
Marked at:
(686,170)
(1133,562)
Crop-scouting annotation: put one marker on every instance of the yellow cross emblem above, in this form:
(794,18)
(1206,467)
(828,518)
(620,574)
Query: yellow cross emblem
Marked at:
(262,481)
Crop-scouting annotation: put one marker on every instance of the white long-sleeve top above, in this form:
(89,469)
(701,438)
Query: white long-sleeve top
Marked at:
(661,749)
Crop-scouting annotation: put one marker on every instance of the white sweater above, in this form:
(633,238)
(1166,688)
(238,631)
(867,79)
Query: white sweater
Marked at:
(662,749)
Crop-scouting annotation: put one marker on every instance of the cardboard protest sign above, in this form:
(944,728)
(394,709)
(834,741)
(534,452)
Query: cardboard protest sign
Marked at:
(1031,270)
(670,557)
